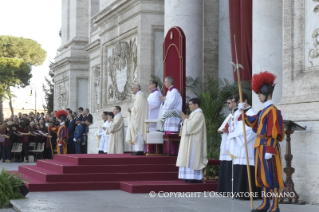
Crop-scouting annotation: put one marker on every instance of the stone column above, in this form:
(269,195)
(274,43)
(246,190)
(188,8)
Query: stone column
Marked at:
(225,69)
(188,15)
(267,44)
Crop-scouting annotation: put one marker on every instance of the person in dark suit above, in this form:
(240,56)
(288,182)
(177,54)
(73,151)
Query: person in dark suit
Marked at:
(87,120)
(80,110)
(71,129)
(78,136)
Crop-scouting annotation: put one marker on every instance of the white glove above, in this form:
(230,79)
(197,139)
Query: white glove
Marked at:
(241,106)
(60,144)
(74,139)
(268,156)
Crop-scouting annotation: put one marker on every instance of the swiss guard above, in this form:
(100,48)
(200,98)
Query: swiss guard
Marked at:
(62,135)
(269,127)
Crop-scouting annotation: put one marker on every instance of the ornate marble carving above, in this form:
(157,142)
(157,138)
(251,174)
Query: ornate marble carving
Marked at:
(312,33)
(122,62)
(63,94)
(97,87)
(314,52)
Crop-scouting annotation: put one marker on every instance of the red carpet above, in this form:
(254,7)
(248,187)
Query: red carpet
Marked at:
(134,174)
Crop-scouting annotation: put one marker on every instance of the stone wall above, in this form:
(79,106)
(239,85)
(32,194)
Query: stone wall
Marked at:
(300,99)
(123,50)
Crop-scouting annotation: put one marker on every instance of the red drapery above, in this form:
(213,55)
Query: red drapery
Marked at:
(240,17)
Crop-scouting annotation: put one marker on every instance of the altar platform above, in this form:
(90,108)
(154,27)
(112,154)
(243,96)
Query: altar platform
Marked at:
(133,174)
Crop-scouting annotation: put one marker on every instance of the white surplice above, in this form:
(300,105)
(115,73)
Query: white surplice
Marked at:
(173,102)
(224,146)
(154,105)
(104,139)
(237,141)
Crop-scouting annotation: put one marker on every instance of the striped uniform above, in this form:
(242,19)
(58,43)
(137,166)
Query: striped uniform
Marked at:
(268,124)
(62,139)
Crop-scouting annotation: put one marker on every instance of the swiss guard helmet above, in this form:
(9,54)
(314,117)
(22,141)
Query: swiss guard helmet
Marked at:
(61,114)
(263,83)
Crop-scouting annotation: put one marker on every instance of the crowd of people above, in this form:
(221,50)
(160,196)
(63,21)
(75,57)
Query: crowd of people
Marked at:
(40,128)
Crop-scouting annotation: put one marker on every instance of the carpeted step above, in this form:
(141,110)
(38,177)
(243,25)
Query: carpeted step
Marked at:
(113,159)
(47,175)
(166,186)
(35,185)
(63,167)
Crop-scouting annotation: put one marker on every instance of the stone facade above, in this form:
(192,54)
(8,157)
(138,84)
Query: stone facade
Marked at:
(107,45)
(300,92)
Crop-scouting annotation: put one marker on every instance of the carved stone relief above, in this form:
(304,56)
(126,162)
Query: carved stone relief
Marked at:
(122,63)
(63,94)
(312,33)
(97,87)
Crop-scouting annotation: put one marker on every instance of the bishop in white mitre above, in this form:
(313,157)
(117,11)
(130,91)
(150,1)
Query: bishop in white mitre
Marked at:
(192,154)
(138,113)
(116,133)
(104,138)
(238,152)
(172,102)
(154,106)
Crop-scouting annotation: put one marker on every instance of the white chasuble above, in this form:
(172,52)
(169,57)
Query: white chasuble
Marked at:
(154,104)
(173,102)
(192,154)
(237,141)
(136,131)
(104,140)
(116,135)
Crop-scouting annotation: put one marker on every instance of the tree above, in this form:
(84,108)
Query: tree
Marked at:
(17,56)
(49,91)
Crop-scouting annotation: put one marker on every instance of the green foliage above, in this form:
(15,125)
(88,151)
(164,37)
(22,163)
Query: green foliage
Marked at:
(9,187)
(48,89)
(17,55)
(27,49)
(159,81)
(169,114)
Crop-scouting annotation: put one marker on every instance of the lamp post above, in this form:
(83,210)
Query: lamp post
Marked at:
(35,99)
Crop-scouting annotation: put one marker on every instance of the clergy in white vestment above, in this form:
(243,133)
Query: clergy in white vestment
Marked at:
(172,102)
(154,106)
(104,138)
(116,133)
(238,152)
(225,169)
(154,103)
(192,154)
(138,113)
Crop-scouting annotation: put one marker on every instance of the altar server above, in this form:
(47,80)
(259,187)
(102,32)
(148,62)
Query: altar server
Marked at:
(238,152)
(154,103)
(116,133)
(192,154)
(172,102)
(154,106)
(104,138)
(225,169)
(269,126)
(138,113)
